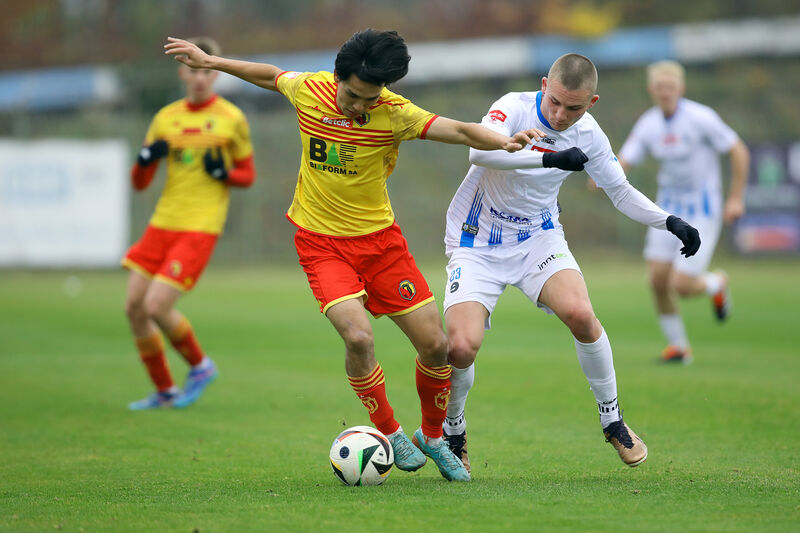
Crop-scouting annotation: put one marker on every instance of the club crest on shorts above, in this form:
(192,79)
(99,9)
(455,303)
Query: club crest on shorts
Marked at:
(407,290)
(175,268)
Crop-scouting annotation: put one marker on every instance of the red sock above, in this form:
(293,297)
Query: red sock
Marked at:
(371,389)
(183,339)
(433,387)
(151,350)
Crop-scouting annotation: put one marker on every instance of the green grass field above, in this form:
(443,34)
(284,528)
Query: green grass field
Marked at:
(723,433)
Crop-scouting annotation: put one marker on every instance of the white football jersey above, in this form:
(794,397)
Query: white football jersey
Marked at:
(687,145)
(498,207)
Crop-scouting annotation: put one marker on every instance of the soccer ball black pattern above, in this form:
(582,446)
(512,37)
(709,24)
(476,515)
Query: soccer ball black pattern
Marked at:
(361,455)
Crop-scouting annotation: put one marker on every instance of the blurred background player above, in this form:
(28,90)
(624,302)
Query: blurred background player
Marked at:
(349,245)
(206,141)
(503,229)
(686,138)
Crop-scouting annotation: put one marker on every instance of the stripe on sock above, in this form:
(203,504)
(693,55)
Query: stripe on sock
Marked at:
(364,383)
(436,372)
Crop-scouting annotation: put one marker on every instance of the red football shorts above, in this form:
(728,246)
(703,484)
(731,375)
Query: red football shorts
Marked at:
(377,265)
(177,258)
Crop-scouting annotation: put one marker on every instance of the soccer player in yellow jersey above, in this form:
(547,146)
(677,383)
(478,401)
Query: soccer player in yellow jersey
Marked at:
(206,141)
(349,245)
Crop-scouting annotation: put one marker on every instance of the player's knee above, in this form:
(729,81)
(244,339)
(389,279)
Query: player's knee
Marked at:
(683,286)
(435,347)
(581,320)
(134,309)
(659,282)
(155,308)
(358,341)
(462,351)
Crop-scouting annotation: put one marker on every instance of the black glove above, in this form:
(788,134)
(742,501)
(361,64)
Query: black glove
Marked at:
(569,159)
(152,153)
(686,233)
(215,165)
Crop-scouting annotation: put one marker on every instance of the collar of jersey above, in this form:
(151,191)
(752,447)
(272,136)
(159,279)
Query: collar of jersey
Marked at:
(201,105)
(539,110)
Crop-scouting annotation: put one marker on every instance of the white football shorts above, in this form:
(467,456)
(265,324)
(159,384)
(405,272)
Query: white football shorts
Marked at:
(482,274)
(662,246)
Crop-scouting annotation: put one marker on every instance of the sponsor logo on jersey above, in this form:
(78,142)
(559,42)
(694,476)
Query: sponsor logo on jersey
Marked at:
(407,290)
(454,286)
(509,218)
(540,148)
(552,257)
(547,140)
(497,116)
(183,155)
(291,74)
(341,122)
(329,157)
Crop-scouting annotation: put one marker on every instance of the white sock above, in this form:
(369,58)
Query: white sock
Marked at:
(597,363)
(399,430)
(461,381)
(713,283)
(455,425)
(433,442)
(674,330)
(203,364)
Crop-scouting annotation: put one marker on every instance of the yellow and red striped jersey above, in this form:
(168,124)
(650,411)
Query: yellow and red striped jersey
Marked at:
(341,187)
(192,200)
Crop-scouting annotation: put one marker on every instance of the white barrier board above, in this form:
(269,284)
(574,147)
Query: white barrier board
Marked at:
(63,202)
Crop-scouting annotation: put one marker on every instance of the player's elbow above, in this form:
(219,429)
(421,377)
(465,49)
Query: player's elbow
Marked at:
(476,157)
(247,182)
(243,174)
(740,151)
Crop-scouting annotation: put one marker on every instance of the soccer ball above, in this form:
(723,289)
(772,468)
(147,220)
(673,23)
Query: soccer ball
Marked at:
(361,455)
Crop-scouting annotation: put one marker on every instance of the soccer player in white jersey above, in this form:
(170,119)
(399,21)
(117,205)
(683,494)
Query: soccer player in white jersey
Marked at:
(687,138)
(503,229)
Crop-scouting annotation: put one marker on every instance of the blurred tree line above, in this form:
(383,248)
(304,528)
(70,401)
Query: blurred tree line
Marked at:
(756,96)
(42,33)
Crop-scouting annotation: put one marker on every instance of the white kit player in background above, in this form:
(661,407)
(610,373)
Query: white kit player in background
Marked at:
(503,229)
(686,138)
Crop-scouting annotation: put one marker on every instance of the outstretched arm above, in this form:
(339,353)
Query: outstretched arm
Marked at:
(571,159)
(629,201)
(261,74)
(740,162)
(632,203)
(592,185)
(476,136)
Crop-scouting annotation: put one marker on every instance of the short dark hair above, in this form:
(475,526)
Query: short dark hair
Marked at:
(377,57)
(575,72)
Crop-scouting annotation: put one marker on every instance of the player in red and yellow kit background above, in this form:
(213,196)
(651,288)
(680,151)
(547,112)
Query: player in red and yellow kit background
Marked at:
(348,243)
(206,141)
